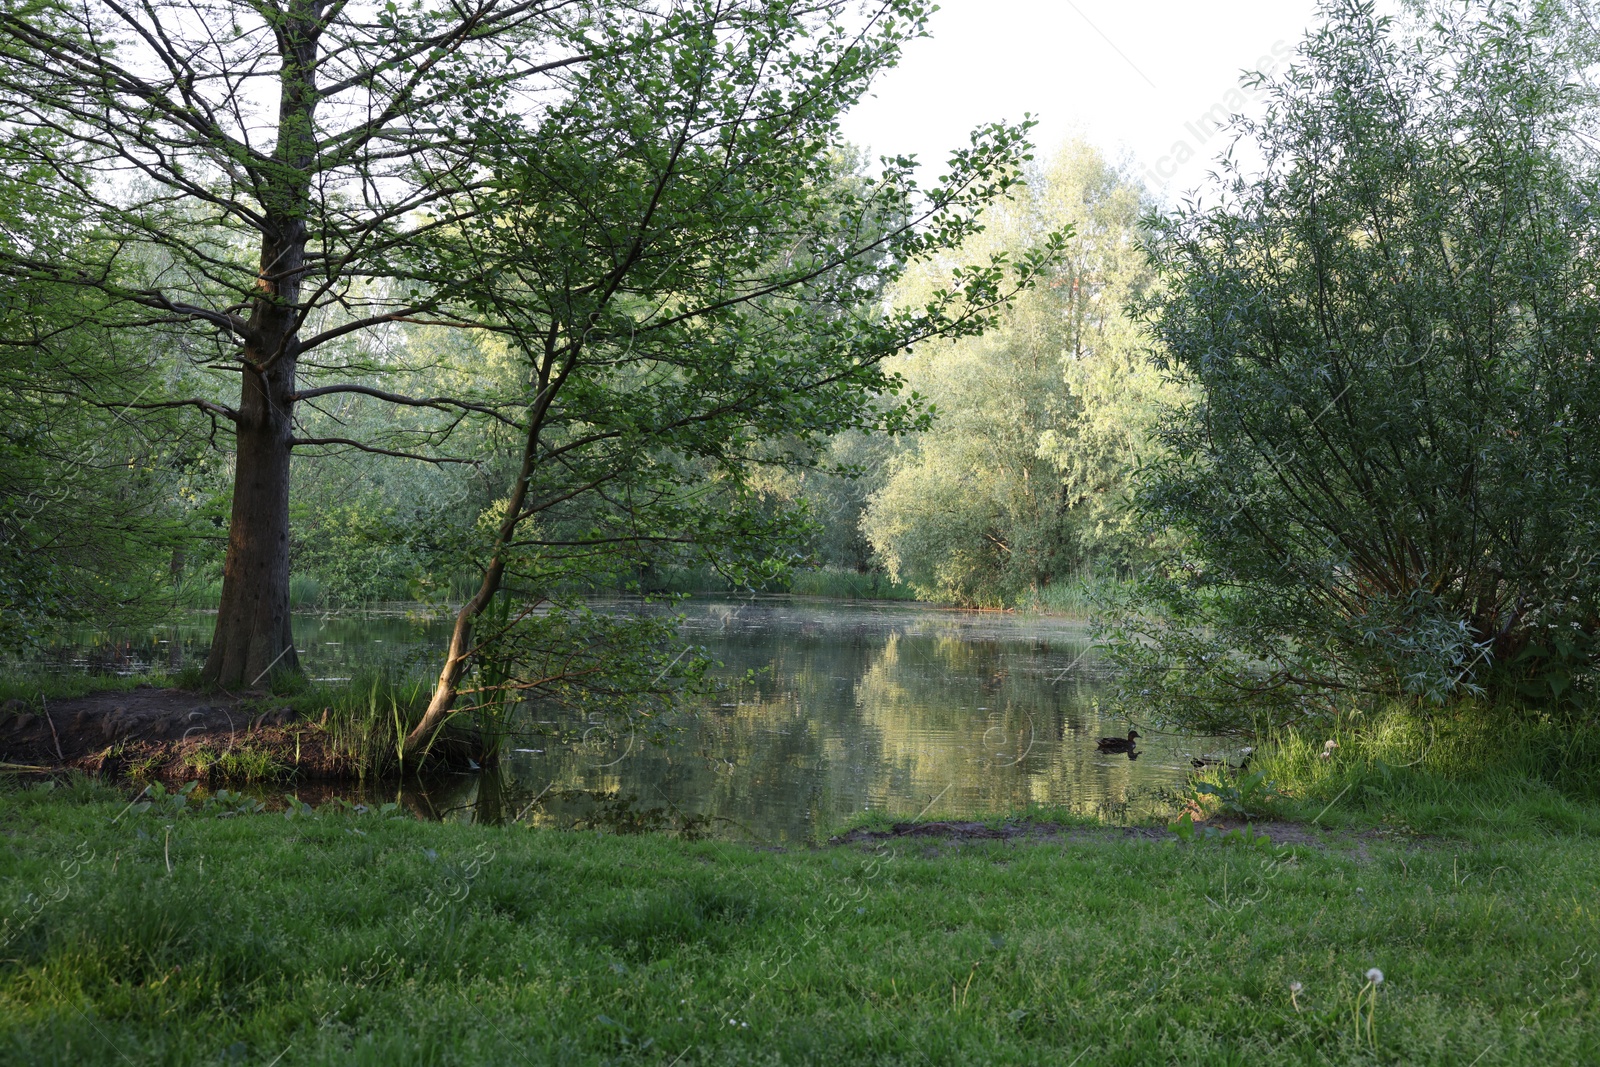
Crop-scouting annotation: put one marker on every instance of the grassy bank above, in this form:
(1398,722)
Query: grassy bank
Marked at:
(166,936)
(32,686)
(1469,770)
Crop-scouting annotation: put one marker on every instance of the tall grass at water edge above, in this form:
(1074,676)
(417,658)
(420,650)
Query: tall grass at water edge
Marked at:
(828,582)
(1077,596)
(367,719)
(849,585)
(1496,769)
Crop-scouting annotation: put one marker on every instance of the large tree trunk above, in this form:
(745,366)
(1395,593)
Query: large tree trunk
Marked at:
(253,639)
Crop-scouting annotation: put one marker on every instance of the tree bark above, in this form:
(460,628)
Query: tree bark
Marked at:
(459,656)
(253,640)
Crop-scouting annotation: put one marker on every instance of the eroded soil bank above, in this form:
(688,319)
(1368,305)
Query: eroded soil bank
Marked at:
(169,733)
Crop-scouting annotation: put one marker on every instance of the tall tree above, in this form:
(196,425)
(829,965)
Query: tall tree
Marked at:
(254,173)
(1020,479)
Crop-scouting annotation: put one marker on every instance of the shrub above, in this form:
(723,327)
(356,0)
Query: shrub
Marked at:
(1385,482)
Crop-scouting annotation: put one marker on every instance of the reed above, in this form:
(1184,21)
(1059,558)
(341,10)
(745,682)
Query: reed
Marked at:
(367,719)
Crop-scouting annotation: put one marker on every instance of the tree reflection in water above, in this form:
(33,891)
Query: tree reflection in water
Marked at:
(904,710)
(856,707)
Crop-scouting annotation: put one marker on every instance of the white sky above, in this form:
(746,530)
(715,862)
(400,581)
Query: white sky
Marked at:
(1132,76)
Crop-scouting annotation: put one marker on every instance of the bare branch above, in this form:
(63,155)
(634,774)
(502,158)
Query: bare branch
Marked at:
(408,401)
(345,442)
(207,406)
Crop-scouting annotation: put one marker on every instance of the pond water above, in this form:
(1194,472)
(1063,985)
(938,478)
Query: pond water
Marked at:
(857,707)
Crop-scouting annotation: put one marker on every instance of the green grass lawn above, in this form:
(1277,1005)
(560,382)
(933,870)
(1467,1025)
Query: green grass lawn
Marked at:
(156,936)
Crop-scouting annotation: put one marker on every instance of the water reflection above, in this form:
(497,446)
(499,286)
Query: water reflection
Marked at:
(908,711)
(900,709)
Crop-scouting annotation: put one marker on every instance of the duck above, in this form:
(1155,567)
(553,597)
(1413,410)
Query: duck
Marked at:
(1117,744)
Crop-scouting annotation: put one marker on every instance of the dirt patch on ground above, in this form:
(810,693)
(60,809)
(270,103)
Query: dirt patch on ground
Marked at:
(168,733)
(1281,834)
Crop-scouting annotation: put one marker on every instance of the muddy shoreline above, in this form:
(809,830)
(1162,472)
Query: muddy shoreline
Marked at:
(173,735)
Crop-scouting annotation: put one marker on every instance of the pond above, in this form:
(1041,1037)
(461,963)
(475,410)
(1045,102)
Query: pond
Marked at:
(856,707)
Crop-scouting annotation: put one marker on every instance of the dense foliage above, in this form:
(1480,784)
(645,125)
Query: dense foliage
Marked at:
(634,308)
(659,264)
(1021,479)
(98,510)
(1387,475)
(691,277)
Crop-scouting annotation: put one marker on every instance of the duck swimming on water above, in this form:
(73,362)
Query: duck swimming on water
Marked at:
(1117,744)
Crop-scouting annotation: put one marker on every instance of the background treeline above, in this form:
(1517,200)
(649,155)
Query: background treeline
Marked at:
(1015,487)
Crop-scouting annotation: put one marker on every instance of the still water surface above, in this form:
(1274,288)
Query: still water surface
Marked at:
(905,710)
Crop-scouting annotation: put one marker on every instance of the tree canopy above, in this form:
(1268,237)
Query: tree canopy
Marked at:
(1021,479)
(695,283)
(1387,473)
(273,191)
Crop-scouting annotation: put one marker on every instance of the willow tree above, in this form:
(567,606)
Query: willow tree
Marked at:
(1386,478)
(1020,480)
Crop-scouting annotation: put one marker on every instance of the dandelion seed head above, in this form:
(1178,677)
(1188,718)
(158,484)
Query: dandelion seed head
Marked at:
(1375,976)
(1295,987)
